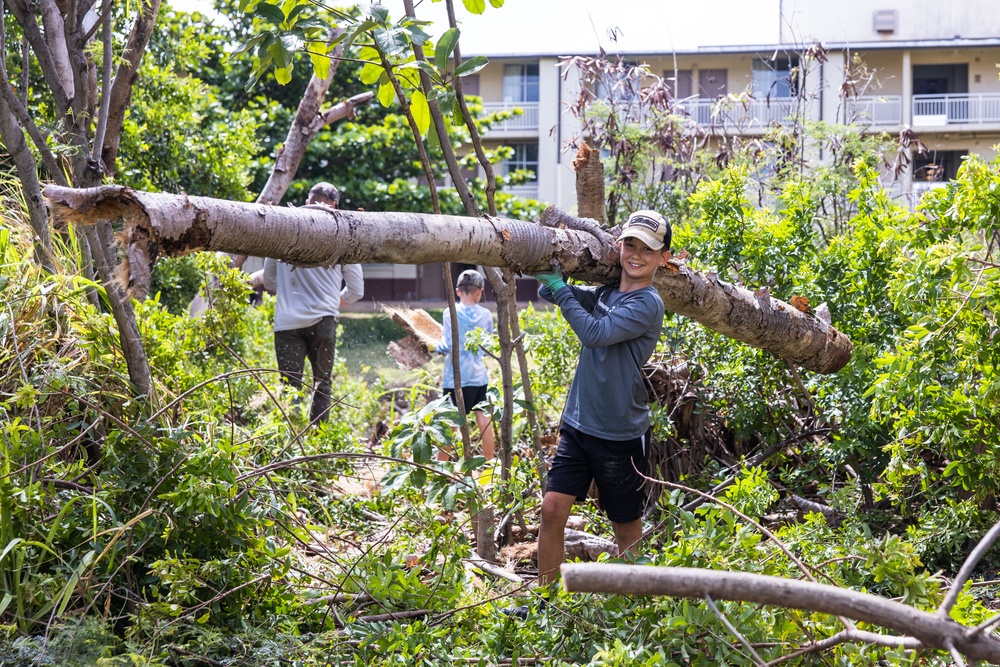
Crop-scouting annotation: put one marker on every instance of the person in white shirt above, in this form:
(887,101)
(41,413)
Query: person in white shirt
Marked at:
(305,314)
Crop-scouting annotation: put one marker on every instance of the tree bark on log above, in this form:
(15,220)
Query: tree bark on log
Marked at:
(589,183)
(165,224)
(931,630)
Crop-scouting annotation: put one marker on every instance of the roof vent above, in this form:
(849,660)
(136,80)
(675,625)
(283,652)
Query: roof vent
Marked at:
(885,21)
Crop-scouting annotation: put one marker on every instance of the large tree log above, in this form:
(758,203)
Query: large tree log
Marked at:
(173,225)
(931,630)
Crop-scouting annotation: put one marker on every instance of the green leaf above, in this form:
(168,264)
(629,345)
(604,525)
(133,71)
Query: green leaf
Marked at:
(424,67)
(417,35)
(281,55)
(321,65)
(475,6)
(392,41)
(386,94)
(370,74)
(292,42)
(379,13)
(293,13)
(270,13)
(283,75)
(471,66)
(247,45)
(7,597)
(423,449)
(265,44)
(421,112)
(496,3)
(445,47)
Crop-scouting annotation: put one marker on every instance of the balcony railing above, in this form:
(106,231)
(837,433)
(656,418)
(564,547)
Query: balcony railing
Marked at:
(965,108)
(919,188)
(526,121)
(741,113)
(528,190)
(875,110)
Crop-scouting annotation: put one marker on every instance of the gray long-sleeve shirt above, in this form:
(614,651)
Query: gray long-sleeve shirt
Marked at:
(305,296)
(619,332)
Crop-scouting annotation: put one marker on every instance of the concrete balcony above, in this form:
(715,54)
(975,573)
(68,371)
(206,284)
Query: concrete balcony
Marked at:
(956,109)
(525,123)
(739,114)
(528,190)
(883,110)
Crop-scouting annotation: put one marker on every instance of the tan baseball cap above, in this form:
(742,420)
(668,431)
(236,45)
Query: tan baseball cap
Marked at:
(649,227)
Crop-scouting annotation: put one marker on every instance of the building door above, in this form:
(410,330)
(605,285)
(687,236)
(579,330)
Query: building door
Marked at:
(680,82)
(713,83)
(430,283)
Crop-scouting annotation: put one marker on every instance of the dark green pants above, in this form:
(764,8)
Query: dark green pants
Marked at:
(317,342)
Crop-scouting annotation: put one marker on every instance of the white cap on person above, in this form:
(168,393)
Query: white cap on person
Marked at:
(649,227)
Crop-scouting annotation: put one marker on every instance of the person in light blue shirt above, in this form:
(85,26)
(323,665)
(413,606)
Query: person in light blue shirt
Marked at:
(475,378)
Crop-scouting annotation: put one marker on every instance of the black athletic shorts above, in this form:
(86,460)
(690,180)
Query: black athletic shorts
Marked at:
(581,458)
(472,396)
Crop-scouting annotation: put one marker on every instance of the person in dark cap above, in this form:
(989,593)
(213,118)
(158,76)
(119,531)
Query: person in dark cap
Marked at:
(605,431)
(475,378)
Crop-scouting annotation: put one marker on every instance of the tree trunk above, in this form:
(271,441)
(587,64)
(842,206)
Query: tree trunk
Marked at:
(176,224)
(307,123)
(589,183)
(24,163)
(931,630)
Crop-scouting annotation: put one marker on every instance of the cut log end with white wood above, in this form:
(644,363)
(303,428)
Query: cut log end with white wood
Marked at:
(171,225)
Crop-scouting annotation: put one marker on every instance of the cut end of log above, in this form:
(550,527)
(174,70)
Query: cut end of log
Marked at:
(85,206)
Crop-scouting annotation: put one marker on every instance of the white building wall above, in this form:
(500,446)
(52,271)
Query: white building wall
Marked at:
(853,20)
(548,136)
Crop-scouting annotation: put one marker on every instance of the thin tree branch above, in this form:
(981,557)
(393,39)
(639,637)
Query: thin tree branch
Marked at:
(25,16)
(128,70)
(20,111)
(736,633)
(966,571)
(852,636)
(102,116)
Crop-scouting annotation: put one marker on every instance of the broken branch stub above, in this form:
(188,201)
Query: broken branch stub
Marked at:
(173,225)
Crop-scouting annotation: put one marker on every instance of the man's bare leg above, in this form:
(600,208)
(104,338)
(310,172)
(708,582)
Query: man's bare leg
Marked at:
(627,535)
(552,535)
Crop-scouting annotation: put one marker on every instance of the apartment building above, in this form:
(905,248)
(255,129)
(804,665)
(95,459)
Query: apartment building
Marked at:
(934,69)
(934,66)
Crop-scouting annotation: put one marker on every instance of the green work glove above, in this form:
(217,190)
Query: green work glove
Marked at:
(553,279)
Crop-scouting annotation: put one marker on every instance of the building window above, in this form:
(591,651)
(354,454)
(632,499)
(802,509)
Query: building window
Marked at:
(520,82)
(937,166)
(775,78)
(525,157)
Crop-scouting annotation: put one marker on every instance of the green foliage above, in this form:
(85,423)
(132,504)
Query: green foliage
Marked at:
(206,522)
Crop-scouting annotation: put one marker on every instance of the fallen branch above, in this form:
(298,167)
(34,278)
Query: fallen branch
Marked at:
(172,225)
(477,562)
(930,630)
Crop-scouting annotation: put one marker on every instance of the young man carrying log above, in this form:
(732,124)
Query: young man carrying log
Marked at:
(605,429)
